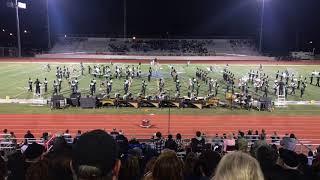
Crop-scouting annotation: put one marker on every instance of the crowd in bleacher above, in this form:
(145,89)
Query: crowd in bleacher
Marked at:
(177,47)
(98,155)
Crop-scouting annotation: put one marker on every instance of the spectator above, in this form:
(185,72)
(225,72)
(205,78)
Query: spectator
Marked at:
(16,166)
(38,171)
(114,133)
(130,169)
(290,162)
(67,136)
(77,136)
(159,143)
(33,153)
(95,156)
(149,167)
(310,158)
(13,138)
(229,143)
(6,136)
(242,143)
(208,162)
(3,169)
(27,136)
(123,144)
(171,144)
(240,166)
(189,169)
(274,137)
(304,168)
(289,143)
(179,142)
(197,143)
(167,167)
(45,137)
(261,142)
(267,158)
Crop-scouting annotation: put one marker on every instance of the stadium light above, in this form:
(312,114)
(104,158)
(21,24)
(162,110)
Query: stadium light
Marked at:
(65,35)
(25,31)
(134,38)
(48,25)
(261,26)
(10,34)
(3,30)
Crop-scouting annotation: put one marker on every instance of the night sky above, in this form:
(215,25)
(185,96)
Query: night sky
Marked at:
(289,24)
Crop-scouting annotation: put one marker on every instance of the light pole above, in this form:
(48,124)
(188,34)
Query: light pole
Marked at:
(124,19)
(48,25)
(18,28)
(261,27)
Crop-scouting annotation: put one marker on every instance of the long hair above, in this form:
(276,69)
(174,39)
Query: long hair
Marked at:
(168,167)
(130,169)
(240,166)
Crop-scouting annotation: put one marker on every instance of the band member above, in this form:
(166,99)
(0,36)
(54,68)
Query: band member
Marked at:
(45,82)
(109,86)
(318,80)
(77,83)
(302,89)
(178,86)
(210,87)
(73,87)
(299,82)
(293,88)
(266,90)
(30,85)
(311,78)
(216,87)
(281,87)
(150,74)
(55,87)
(143,88)
(89,69)
(59,84)
(48,67)
(198,89)
(126,86)
(161,85)
(37,83)
(277,74)
(94,85)
(91,86)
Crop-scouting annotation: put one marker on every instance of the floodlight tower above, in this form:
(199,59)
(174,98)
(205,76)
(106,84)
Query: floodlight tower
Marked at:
(261,26)
(124,19)
(18,28)
(48,25)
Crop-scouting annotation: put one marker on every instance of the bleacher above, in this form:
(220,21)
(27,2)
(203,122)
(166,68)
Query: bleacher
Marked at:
(165,47)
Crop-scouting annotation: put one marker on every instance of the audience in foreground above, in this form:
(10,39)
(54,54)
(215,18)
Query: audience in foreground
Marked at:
(97,155)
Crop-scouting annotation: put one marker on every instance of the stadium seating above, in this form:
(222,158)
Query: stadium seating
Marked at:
(172,47)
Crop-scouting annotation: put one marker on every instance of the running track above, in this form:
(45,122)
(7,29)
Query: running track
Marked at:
(305,127)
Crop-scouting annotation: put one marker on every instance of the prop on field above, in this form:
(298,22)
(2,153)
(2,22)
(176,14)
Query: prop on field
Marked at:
(145,123)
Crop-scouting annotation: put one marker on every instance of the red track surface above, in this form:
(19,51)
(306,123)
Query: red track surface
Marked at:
(305,127)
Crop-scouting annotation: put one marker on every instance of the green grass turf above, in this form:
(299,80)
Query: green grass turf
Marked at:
(296,110)
(14,79)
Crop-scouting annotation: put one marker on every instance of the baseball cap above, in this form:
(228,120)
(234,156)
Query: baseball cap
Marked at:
(95,149)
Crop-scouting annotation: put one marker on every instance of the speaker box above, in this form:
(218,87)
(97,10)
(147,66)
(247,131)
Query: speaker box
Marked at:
(88,102)
(75,99)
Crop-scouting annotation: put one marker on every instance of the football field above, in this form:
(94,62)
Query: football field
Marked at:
(14,78)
